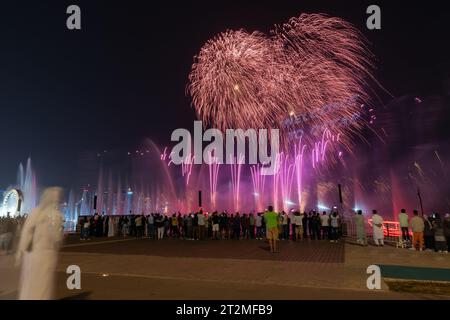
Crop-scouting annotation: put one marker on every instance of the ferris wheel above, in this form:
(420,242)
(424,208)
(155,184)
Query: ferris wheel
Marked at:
(12,201)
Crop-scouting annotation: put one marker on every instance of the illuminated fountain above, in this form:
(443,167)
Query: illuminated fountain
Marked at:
(24,198)
(29,189)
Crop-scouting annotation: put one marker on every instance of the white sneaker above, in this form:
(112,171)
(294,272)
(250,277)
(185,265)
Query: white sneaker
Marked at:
(412,248)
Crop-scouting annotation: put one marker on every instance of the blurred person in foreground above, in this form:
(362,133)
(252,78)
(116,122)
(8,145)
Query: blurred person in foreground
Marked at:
(38,248)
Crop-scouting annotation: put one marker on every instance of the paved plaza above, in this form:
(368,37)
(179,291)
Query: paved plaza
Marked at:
(182,269)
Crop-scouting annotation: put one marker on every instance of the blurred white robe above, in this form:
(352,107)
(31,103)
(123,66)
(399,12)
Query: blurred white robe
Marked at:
(40,240)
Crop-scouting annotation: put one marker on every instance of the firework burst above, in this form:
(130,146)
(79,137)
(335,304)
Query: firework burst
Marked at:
(234,81)
(329,64)
(313,68)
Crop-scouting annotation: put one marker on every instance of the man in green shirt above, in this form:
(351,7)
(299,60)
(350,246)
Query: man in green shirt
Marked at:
(271,219)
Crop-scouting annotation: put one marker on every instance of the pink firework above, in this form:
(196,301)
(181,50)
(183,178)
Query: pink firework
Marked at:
(313,67)
(328,65)
(235,80)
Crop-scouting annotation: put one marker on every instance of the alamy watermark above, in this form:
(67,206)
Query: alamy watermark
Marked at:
(263,147)
(73,22)
(373,22)
(74,279)
(374,280)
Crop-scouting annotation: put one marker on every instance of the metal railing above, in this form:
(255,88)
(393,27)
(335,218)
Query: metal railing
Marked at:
(391,229)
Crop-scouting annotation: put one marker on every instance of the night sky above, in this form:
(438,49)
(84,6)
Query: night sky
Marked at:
(122,78)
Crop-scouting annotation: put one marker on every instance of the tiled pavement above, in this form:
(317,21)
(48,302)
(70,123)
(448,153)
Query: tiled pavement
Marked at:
(148,269)
(300,251)
(217,263)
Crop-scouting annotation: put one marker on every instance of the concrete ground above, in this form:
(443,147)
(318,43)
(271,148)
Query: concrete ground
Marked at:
(182,269)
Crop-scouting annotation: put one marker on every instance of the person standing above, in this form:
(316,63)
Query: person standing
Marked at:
(120,225)
(181,228)
(82,232)
(208,226)
(167,222)
(195,226)
(446,224)
(223,226)
(189,227)
(428,233)
(174,226)
(311,224)
(144,225)
(184,222)
(417,227)
(112,221)
(159,223)
(360,228)
(403,220)
(440,242)
(285,226)
(99,227)
(263,226)
(132,225)
(292,225)
(215,226)
(305,224)
(325,225)
(316,225)
(93,225)
(138,223)
(298,223)
(86,229)
(126,227)
(231,227)
(237,227)
(201,225)
(378,233)
(123,226)
(151,226)
(271,219)
(244,225)
(106,226)
(334,225)
(40,240)
(251,219)
(258,223)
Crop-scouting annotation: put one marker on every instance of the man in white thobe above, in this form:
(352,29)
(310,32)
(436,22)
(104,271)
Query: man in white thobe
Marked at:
(39,243)
(112,226)
(358,218)
(378,234)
